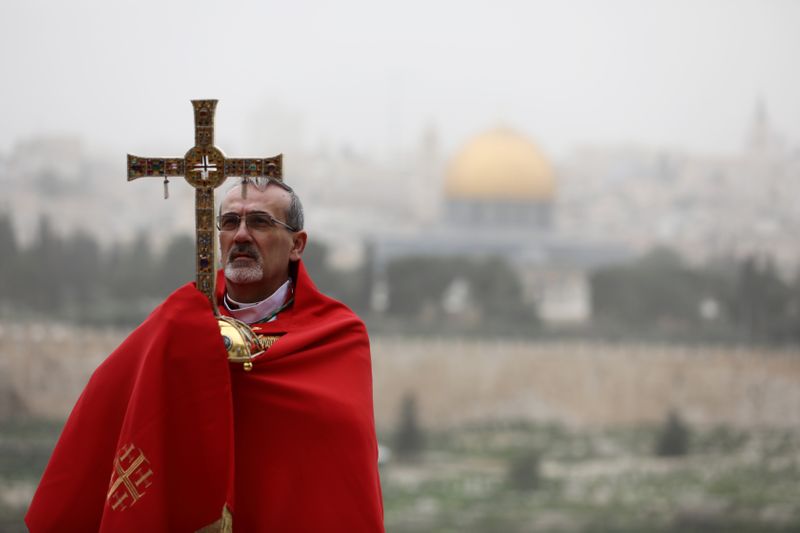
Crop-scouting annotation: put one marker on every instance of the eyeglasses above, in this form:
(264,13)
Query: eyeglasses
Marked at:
(257,220)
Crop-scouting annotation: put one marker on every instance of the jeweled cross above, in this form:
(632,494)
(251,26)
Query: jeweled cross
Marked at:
(205,167)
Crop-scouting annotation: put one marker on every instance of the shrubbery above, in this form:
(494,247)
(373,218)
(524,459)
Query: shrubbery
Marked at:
(673,437)
(409,438)
(524,470)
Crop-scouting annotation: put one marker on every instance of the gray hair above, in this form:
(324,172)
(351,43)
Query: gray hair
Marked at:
(294,215)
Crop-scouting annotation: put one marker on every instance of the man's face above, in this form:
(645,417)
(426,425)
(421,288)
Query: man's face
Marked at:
(256,262)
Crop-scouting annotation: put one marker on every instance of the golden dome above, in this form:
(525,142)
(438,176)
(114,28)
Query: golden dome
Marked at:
(500,165)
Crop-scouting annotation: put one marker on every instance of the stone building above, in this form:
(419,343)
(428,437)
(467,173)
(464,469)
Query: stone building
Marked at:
(499,199)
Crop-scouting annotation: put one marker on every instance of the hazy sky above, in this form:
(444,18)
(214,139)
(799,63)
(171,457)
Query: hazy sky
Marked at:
(373,74)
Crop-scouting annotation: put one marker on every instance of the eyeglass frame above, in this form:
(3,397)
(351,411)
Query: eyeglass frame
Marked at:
(240,218)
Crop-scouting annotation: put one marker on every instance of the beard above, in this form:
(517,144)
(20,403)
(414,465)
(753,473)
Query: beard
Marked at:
(246,268)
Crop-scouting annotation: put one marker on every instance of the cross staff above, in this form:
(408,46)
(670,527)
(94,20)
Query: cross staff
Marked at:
(205,167)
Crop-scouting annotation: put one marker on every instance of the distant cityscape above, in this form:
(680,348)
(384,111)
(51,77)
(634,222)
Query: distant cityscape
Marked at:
(499,194)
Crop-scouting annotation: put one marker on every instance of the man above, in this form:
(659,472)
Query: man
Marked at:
(189,441)
(257,247)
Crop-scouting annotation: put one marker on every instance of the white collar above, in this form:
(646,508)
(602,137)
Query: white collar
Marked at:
(251,313)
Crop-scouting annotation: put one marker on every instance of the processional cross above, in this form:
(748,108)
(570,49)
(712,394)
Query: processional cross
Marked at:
(205,167)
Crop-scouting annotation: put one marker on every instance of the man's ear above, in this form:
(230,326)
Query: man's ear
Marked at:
(298,245)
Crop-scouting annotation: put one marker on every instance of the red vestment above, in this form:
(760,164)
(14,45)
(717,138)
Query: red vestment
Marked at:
(167,432)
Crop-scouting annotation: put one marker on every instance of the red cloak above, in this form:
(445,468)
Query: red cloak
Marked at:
(167,432)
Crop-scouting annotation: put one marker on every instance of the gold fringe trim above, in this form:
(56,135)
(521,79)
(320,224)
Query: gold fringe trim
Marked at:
(223,525)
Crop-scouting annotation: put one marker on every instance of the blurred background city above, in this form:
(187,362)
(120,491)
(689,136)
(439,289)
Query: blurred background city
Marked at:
(571,227)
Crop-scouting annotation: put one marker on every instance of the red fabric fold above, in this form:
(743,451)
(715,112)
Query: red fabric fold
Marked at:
(306,453)
(150,445)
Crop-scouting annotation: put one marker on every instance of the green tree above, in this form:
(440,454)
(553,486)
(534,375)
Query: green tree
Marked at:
(81,264)
(419,282)
(764,305)
(498,290)
(524,470)
(658,291)
(131,270)
(408,439)
(176,266)
(41,269)
(8,241)
(673,437)
(416,282)
(10,253)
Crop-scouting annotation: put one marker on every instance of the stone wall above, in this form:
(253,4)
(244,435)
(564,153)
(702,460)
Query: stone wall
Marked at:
(44,367)
(587,384)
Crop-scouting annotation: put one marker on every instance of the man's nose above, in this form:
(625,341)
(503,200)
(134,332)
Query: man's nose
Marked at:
(242,232)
